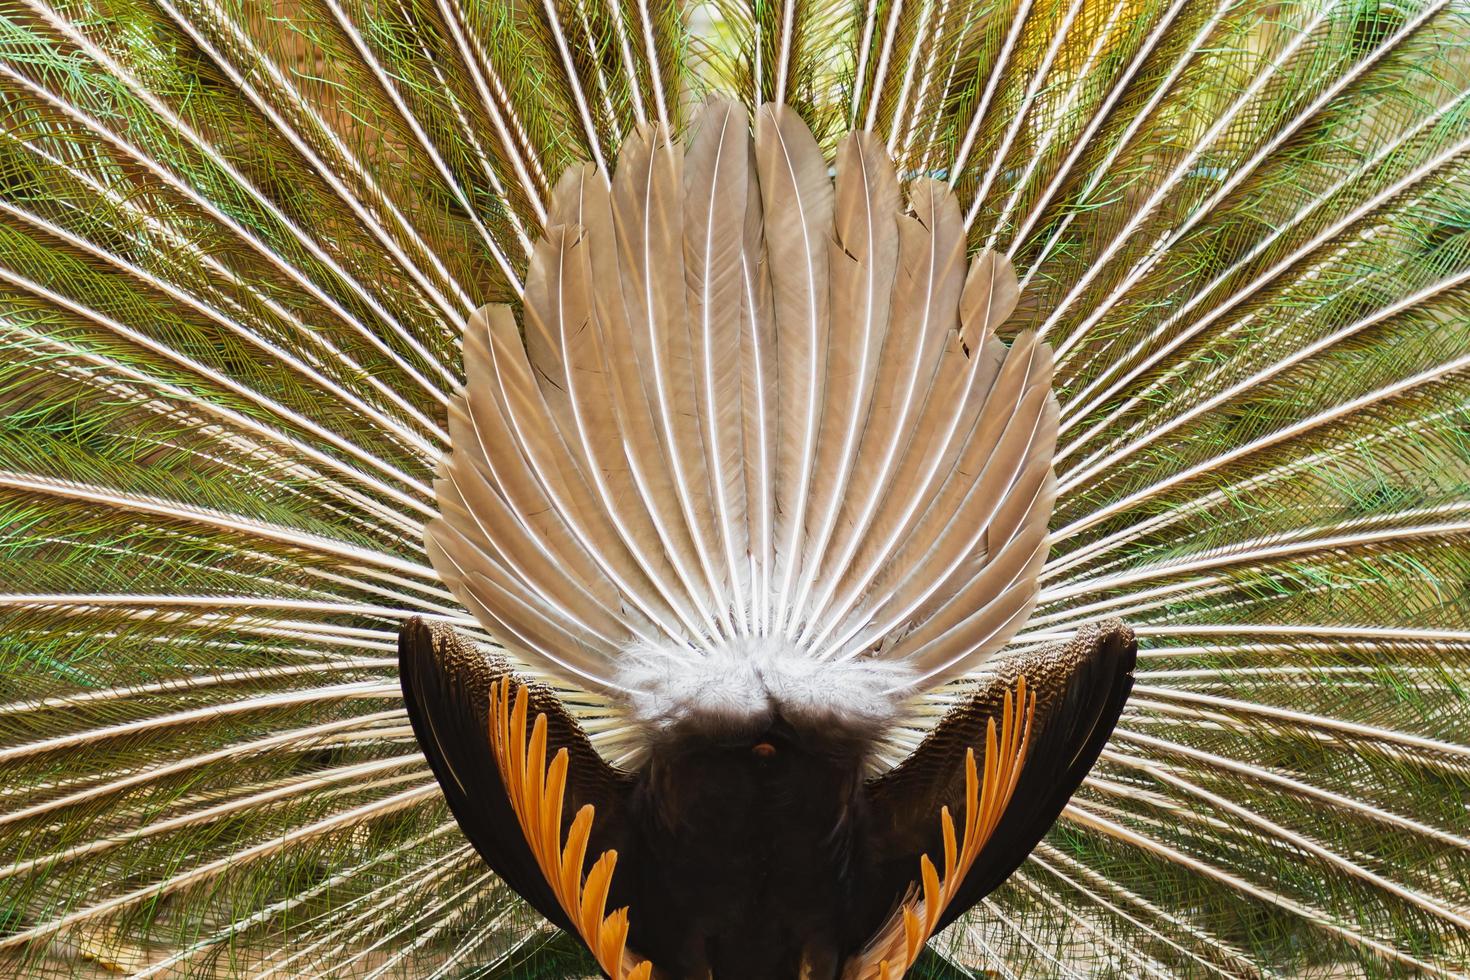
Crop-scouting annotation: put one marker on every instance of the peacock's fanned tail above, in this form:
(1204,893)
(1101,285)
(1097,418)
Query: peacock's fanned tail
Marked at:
(238,247)
(755,445)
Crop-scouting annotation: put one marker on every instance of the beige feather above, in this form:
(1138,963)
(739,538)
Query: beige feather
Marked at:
(550,632)
(614,407)
(542,311)
(1008,448)
(971,530)
(485,440)
(478,515)
(961,630)
(592,424)
(539,635)
(716,181)
(983,632)
(990,297)
(862,261)
(990,457)
(549,458)
(648,218)
(930,255)
(514,517)
(524,640)
(796,198)
(943,407)
(758,401)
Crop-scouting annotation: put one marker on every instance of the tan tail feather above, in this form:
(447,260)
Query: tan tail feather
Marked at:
(751,411)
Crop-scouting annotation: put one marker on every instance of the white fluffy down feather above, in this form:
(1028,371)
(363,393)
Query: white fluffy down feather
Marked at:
(744,686)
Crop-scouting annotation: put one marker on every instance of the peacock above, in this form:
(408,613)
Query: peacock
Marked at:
(782,488)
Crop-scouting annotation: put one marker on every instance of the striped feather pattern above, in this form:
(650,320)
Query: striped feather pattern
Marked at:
(239,244)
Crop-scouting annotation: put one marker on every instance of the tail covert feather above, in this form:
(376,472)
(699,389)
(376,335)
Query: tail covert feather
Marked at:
(604,511)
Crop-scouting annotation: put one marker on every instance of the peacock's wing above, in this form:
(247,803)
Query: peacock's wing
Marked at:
(522,779)
(451,691)
(1030,729)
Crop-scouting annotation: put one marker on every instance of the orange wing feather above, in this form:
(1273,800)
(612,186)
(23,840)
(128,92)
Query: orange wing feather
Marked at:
(898,944)
(537,791)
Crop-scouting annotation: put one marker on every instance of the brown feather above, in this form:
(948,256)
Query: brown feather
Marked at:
(614,413)
(990,297)
(716,181)
(647,203)
(796,199)
(758,398)
(915,473)
(927,253)
(753,416)
(488,447)
(863,255)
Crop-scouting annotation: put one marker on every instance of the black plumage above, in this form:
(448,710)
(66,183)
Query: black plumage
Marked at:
(771,852)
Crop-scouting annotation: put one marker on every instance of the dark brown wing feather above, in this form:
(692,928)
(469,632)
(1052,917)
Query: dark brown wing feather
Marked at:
(446,686)
(1080,686)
